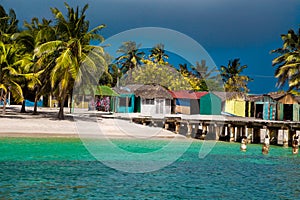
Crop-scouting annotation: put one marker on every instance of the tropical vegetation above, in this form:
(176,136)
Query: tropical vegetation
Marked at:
(233,80)
(288,61)
(51,56)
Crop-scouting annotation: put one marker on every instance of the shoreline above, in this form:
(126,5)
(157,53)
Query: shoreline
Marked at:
(46,125)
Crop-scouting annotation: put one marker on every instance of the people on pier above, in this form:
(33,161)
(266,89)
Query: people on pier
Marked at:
(295,144)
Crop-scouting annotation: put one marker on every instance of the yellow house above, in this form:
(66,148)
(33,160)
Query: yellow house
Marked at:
(234,104)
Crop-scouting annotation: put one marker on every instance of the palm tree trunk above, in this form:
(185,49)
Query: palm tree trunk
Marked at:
(23,108)
(61,110)
(4,104)
(35,107)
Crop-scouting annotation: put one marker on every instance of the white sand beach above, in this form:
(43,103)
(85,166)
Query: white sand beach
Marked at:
(46,124)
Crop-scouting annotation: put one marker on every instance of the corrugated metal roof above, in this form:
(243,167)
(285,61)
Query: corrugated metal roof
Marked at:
(187,94)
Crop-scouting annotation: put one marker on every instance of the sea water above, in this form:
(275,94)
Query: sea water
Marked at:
(58,168)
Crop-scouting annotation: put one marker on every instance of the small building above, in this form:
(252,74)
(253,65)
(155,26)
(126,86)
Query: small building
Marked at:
(233,103)
(154,100)
(190,102)
(287,106)
(210,104)
(127,102)
(264,106)
(187,102)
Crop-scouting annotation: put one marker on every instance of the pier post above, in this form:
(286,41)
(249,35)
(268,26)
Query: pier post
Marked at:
(166,126)
(235,133)
(217,131)
(189,129)
(177,127)
(286,138)
(231,132)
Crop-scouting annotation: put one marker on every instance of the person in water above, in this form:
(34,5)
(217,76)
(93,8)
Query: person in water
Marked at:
(295,144)
(244,144)
(265,149)
(266,145)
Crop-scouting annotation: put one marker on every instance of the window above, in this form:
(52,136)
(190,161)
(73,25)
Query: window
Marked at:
(125,102)
(148,101)
(168,102)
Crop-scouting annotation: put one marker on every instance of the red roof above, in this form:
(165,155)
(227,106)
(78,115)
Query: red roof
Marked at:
(187,94)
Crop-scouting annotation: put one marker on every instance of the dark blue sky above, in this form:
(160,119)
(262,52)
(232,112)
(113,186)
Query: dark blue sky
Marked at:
(227,29)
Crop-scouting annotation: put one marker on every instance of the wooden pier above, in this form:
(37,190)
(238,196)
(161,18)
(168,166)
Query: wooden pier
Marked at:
(219,127)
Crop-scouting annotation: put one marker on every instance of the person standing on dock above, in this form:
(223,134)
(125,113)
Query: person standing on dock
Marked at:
(244,144)
(295,144)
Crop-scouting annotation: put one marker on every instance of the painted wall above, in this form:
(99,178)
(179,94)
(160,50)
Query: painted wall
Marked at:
(130,102)
(295,112)
(156,108)
(235,107)
(182,106)
(279,111)
(210,104)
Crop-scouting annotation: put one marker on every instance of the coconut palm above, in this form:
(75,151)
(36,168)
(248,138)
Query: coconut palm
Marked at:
(232,78)
(131,56)
(8,24)
(210,79)
(158,54)
(35,34)
(9,74)
(288,62)
(73,58)
(202,71)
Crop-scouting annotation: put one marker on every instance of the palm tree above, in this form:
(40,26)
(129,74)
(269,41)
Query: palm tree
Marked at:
(131,56)
(158,54)
(209,79)
(232,78)
(8,57)
(9,74)
(73,58)
(8,24)
(288,62)
(36,33)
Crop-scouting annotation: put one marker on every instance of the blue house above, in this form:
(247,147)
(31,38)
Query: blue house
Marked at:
(264,106)
(127,102)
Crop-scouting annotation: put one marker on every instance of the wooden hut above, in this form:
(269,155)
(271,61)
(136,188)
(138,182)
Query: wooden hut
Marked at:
(154,99)
(287,106)
(127,102)
(187,102)
(234,103)
(210,104)
(264,106)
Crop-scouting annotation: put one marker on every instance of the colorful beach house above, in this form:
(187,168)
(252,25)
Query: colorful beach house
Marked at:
(190,102)
(154,100)
(263,106)
(97,97)
(287,106)
(210,104)
(234,103)
(127,102)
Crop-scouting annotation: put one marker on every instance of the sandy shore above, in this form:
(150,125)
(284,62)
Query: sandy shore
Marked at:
(46,124)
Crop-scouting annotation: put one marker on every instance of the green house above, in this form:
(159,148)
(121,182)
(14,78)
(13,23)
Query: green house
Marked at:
(210,104)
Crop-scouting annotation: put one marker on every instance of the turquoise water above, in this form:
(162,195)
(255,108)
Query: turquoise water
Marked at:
(56,168)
